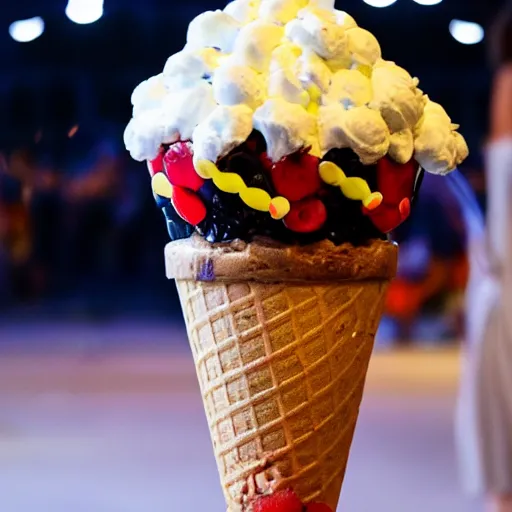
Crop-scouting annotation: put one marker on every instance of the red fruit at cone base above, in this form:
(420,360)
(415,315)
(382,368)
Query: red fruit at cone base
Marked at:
(318,507)
(396,181)
(296,176)
(188,206)
(306,216)
(156,165)
(280,501)
(385,218)
(179,166)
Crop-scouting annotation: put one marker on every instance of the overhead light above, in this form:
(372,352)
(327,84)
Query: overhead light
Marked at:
(466,32)
(84,12)
(24,31)
(428,2)
(379,3)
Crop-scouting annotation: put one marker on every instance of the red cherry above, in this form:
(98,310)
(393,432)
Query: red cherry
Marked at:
(179,166)
(281,501)
(306,216)
(188,206)
(156,165)
(385,218)
(296,176)
(396,181)
(318,507)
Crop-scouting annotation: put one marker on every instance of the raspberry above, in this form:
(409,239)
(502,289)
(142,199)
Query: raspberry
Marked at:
(281,501)
(306,216)
(395,180)
(179,166)
(188,206)
(385,218)
(156,165)
(296,176)
(318,507)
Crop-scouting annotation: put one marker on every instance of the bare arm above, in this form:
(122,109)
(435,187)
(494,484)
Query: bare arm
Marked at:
(499,172)
(501,105)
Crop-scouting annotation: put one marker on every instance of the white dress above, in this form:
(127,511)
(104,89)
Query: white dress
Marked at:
(484,410)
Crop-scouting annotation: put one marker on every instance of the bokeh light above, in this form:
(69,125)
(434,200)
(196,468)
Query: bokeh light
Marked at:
(466,32)
(379,3)
(24,31)
(428,2)
(84,12)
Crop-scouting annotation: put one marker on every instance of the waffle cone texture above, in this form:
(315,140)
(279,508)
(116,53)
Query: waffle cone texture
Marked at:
(281,339)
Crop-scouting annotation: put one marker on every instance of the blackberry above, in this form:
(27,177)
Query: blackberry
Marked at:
(176,226)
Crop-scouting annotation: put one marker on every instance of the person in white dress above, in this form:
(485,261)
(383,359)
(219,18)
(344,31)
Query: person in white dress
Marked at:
(484,412)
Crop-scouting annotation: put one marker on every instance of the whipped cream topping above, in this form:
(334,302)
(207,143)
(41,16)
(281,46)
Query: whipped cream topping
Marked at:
(438,147)
(303,74)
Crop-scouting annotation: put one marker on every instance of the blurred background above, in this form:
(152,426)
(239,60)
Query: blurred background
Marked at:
(98,401)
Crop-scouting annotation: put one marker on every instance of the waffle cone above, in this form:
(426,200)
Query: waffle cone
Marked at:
(281,357)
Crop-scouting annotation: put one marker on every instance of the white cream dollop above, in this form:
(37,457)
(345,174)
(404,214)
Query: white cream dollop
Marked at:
(349,88)
(233,85)
(361,129)
(286,127)
(280,11)
(438,148)
(312,69)
(243,11)
(317,30)
(396,96)
(188,67)
(301,72)
(144,135)
(222,131)
(344,19)
(363,46)
(401,146)
(255,44)
(213,29)
(173,118)
(148,94)
(283,84)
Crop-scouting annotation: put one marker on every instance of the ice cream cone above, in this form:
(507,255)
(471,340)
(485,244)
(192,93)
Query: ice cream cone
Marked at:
(281,339)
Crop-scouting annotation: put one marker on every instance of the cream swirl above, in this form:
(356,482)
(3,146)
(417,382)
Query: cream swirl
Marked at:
(303,74)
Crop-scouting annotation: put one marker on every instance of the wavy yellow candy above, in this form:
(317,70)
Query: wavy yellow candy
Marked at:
(205,169)
(354,188)
(256,198)
(228,182)
(232,183)
(330,173)
(279,207)
(161,185)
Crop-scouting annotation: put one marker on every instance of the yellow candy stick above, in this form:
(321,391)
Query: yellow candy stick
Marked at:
(279,207)
(232,183)
(331,173)
(161,185)
(228,182)
(205,169)
(256,198)
(353,188)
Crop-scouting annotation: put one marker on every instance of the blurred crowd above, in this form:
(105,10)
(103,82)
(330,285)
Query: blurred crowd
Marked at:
(77,221)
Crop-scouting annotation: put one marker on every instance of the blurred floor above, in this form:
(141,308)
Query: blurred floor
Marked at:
(89,429)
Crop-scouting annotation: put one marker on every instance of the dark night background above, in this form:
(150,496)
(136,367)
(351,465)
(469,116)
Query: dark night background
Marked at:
(87,238)
(100,409)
